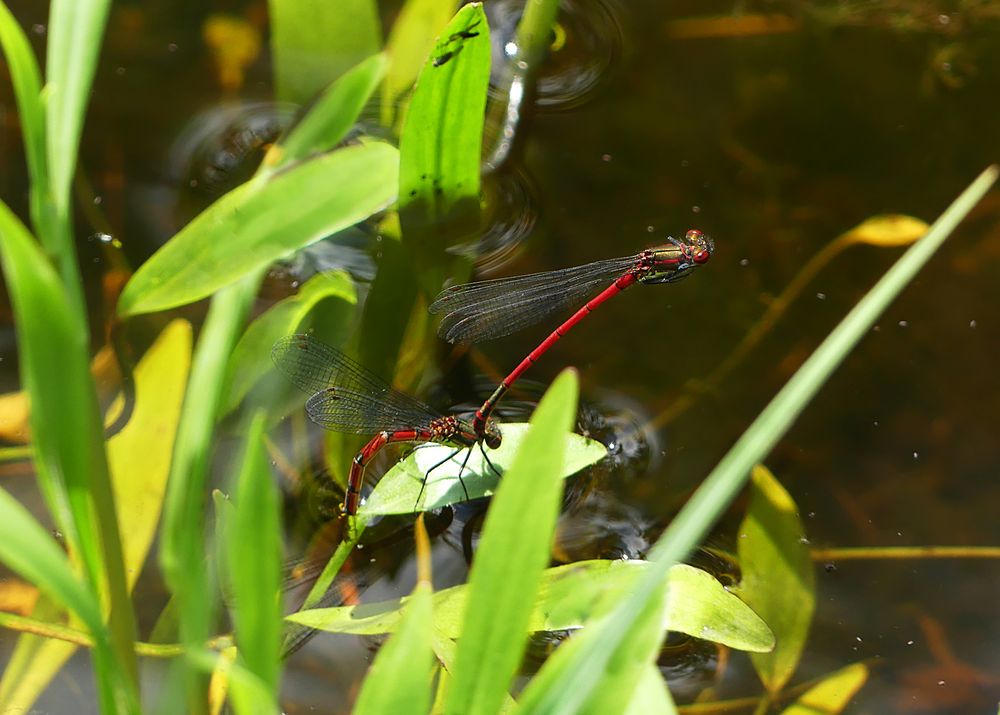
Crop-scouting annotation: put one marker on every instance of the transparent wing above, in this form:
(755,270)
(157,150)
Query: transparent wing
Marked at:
(345,395)
(343,410)
(484,310)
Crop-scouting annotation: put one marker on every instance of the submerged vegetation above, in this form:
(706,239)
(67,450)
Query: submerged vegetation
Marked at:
(406,179)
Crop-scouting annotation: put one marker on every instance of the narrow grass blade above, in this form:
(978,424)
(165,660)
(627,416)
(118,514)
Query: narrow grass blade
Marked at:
(27,81)
(516,82)
(515,547)
(76,28)
(777,578)
(182,549)
(75,31)
(399,680)
(316,41)
(570,679)
(66,429)
(330,117)
(252,226)
(254,563)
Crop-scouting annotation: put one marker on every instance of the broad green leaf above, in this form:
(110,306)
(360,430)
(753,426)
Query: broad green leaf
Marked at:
(76,28)
(316,41)
(695,603)
(261,221)
(251,358)
(569,597)
(513,551)
(399,680)
(832,694)
(410,40)
(331,117)
(778,581)
(27,82)
(440,148)
(67,438)
(441,143)
(578,672)
(651,695)
(254,563)
(398,489)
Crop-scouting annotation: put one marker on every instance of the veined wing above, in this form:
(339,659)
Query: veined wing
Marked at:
(484,310)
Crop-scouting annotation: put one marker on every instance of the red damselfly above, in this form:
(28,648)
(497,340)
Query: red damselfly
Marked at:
(347,397)
(474,312)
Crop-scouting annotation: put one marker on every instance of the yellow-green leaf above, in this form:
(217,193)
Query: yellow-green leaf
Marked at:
(831,695)
(778,580)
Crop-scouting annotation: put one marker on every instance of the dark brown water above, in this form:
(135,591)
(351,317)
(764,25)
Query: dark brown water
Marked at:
(774,139)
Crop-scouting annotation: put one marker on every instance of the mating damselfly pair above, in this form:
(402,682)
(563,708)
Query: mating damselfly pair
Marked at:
(347,397)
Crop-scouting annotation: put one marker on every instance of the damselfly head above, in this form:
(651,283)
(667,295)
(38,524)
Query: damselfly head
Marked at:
(697,246)
(492,435)
(674,260)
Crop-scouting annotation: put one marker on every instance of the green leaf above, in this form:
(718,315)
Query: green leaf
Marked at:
(261,221)
(695,603)
(441,143)
(251,358)
(182,547)
(832,694)
(400,678)
(580,670)
(778,581)
(331,117)
(651,695)
(627,667)
(76,28)
(398,489)
(513,551)
(27,82)
(410,40)
(316,41)
(439,172)
(254,563)
(569,596)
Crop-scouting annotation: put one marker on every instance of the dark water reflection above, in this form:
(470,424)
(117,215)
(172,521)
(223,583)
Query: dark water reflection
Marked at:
(774,142)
